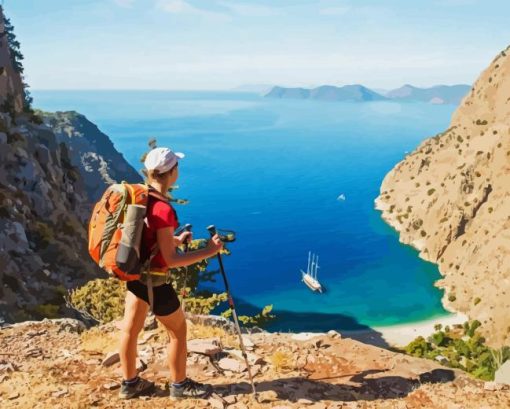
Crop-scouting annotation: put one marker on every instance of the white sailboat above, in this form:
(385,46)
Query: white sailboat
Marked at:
(310,277)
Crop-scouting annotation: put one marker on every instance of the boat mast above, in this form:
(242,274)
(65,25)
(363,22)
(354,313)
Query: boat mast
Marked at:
(308,267)
(316,266)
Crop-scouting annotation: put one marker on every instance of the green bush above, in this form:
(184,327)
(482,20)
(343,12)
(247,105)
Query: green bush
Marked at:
(466,351)
(101,299)
(47,310)
(43,234)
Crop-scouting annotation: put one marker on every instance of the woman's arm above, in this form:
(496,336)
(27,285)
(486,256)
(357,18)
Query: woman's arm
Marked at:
(166,244)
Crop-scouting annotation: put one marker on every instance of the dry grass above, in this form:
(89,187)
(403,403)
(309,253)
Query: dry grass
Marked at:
(94,340)
(196,331)
(282,361)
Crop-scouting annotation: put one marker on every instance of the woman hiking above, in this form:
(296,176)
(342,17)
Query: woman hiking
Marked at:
(161,169)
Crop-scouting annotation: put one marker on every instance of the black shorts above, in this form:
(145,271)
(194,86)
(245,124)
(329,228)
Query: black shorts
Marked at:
(165,297)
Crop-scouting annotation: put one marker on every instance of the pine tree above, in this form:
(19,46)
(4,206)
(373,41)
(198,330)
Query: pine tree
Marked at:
(16,61)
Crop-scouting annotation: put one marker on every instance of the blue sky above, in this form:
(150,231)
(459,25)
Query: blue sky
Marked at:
(220,44)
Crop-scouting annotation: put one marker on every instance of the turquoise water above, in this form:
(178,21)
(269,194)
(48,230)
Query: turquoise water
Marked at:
(272,171)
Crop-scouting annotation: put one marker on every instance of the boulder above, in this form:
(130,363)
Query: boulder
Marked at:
(110,359)
(253,359)
(43,154)
(206,346)
(3,137)
(231,364)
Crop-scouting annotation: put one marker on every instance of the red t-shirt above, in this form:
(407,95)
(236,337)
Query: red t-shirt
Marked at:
(160,214)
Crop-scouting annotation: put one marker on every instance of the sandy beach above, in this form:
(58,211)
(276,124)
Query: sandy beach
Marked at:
(401,334)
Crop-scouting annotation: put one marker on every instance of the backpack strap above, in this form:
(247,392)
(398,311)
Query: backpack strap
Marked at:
(150,288)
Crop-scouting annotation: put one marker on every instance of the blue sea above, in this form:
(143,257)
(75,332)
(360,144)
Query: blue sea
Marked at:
(272,170)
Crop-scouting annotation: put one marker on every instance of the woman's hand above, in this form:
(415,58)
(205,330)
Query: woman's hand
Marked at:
(184,237)
(214,245)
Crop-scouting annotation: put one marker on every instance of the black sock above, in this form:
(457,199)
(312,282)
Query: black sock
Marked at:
(179,384)
(132,381)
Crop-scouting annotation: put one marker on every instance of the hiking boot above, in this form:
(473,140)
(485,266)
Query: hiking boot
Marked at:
(141,387)
(190,389)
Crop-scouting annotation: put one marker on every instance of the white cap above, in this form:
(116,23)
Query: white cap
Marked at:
(162,159)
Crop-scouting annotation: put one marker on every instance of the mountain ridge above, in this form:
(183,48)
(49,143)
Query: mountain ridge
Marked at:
(449,200)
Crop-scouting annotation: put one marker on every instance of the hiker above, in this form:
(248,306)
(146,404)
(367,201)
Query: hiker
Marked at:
(161,169)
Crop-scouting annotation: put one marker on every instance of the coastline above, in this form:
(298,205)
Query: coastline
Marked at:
(400,335)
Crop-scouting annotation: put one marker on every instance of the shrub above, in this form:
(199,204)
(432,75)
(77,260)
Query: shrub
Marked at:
(281,360)
(43,234)
(430,191)
(452,297)
(100,299)
(47,310)
(471,354)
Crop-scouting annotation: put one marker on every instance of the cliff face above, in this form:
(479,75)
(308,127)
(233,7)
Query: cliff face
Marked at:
(91,151)
(43,219)
(450,199)
(49,180)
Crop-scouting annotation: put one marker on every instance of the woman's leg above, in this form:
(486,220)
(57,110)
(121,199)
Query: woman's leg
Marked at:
(175,324)
(135,311)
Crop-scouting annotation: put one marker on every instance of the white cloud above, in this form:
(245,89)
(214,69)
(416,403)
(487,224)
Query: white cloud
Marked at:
(183,7)
(124,3)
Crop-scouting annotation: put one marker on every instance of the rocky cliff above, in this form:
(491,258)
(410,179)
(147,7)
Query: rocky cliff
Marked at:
(450,199)
(91,151)
(49,179)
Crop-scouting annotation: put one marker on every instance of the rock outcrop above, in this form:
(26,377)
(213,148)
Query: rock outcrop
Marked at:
(91,152)
(450,199)
(49,179)
(319,371)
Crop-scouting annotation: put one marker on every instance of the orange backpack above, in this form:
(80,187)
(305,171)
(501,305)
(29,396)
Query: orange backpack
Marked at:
(115,229)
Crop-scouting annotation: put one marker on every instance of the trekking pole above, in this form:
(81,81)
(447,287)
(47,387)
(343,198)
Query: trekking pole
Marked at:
(186,227)
(212,231)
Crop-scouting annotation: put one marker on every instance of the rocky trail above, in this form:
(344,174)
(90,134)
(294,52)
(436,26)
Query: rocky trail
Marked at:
(60,364)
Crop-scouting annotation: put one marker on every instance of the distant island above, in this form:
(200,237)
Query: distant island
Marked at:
(440,94)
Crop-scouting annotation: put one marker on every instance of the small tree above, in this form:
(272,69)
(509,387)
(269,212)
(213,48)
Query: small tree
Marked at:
(16,61)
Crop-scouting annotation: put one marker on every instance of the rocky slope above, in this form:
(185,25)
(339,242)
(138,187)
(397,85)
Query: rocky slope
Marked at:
(59,364)
(91,151)
(450,199)
(48,184)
